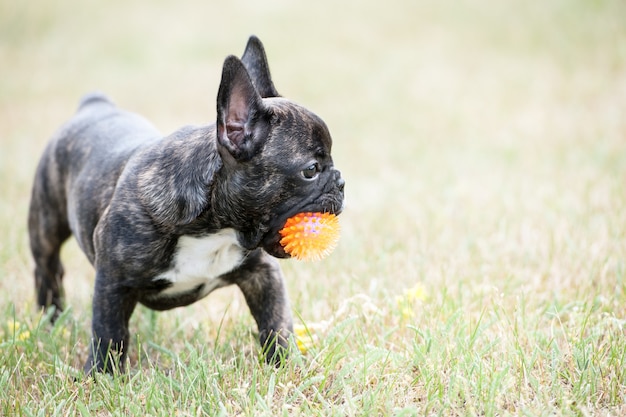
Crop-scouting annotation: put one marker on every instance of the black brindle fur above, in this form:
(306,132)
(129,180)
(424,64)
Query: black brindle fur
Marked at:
(140,205)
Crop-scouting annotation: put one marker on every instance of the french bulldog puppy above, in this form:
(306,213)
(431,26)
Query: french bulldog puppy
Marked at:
(166,220)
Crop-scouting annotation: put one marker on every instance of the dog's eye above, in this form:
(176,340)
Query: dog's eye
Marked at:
(311,171)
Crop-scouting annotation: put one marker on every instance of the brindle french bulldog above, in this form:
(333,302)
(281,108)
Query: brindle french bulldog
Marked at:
(166,220)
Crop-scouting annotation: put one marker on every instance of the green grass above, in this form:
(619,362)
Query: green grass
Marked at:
(482,265)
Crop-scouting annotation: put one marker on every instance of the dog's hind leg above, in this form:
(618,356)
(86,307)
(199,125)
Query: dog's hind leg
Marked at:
(48,228)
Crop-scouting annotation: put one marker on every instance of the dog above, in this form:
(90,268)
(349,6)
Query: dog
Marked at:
(166,220)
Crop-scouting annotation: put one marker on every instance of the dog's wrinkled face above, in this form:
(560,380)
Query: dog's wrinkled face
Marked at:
(276,155)
(300,173)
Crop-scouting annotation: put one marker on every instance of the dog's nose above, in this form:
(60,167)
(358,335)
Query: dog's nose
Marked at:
(339,180)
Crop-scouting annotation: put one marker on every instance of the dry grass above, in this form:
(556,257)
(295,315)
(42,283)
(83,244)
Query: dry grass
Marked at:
(483,258)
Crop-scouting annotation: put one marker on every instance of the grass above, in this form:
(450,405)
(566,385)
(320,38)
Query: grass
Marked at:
(482,265)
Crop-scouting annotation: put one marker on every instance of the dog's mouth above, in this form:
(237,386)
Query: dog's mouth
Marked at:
(330,200)
(271,241)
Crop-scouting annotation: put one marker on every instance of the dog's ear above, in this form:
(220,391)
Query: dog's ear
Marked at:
(255,61)
(241,115)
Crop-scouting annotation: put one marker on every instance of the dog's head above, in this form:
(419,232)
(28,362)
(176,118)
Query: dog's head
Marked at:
(275,153)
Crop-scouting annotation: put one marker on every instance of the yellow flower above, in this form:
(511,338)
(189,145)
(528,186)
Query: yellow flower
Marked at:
(407,312)
(416,293)
(12,326)
(13,331)
(406,302)
(304,338)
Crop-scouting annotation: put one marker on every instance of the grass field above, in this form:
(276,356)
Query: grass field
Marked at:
(482,265)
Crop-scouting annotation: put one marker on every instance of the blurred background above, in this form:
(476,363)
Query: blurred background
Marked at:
(483,144)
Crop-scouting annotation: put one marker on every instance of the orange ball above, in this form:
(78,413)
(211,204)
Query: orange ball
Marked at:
(310,236)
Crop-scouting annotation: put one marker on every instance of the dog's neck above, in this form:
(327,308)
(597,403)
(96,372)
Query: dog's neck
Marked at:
(199,159)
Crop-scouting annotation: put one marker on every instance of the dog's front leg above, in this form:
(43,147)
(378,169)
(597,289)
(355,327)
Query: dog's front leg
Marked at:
(261,281)
(112,307)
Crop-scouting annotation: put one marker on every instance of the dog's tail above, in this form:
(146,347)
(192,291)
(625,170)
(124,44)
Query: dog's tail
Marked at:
(92,98)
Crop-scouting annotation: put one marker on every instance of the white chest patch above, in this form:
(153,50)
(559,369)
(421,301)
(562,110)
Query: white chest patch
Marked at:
(201,261)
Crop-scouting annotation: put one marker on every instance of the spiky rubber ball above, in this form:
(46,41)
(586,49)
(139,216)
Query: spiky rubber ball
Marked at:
(310,236)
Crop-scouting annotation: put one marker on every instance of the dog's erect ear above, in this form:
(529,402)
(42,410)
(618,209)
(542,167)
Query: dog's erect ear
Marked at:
(255,61)
(241,116)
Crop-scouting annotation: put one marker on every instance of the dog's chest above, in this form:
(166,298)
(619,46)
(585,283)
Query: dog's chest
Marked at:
(200,261)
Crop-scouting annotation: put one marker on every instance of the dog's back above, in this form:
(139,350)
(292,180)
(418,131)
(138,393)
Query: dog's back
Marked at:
(101,134)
